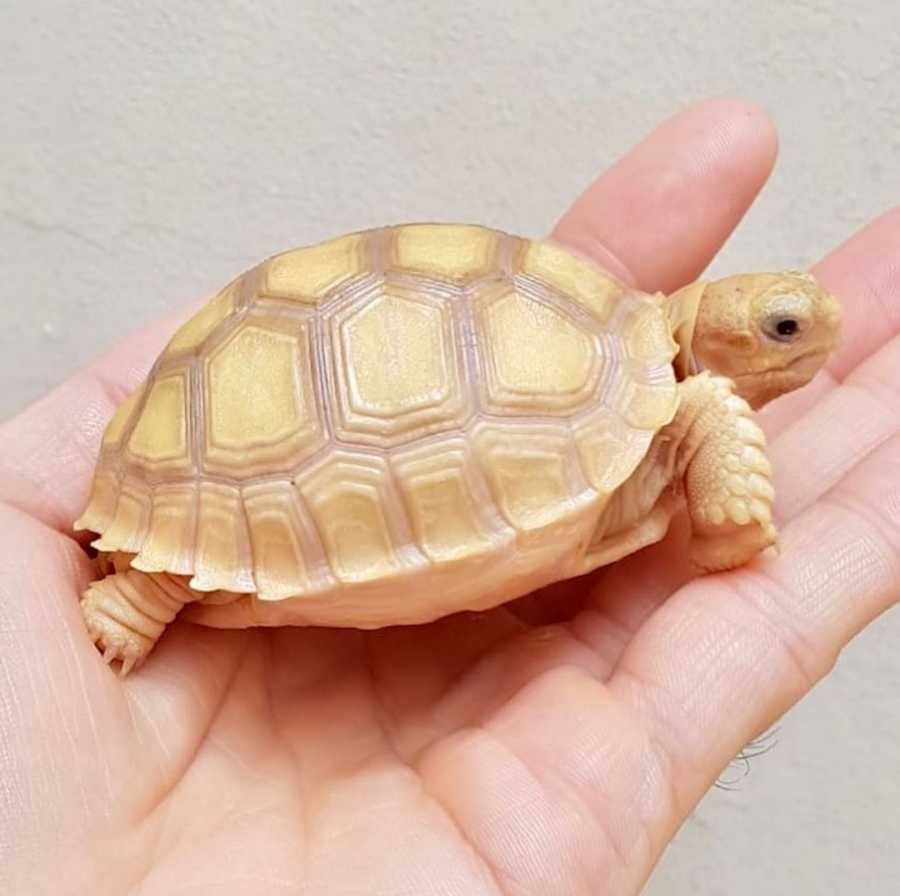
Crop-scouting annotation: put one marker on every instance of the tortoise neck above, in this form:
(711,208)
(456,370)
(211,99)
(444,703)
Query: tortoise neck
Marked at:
(682,308)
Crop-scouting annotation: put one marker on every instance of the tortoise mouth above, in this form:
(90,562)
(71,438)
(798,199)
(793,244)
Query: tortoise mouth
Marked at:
(759,387)
(794,366)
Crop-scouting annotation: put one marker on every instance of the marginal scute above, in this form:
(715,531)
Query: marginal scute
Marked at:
(261,413)
(527,473)
(450,252)
(609,452)
(190,336)
(102,506)
(126,530)
(280,568)
(346,500)
(222,560)
(648,336)
(649,406)
(593,289)
(160,436)
(306,274)
(535,357)
(169,544)
(437,489)
(115,429)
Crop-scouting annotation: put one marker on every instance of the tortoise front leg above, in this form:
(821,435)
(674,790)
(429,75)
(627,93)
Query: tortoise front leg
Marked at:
(726,475)
(127,611)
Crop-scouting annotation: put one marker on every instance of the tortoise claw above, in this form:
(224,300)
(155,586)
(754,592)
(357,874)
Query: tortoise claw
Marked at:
(115,640)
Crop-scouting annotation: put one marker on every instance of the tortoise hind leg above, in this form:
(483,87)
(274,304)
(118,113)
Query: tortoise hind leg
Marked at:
(126,612)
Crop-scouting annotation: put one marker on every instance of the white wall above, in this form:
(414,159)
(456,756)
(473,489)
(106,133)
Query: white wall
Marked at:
(152,150)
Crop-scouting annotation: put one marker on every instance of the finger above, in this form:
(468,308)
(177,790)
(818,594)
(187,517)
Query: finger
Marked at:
(663,211)
(864,273)
(850,422)
(728,655)
(781,414)
(50,449)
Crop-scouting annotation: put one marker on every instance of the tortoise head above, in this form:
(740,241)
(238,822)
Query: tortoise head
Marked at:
(769,333)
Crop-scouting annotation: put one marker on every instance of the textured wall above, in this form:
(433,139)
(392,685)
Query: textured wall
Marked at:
(152,150)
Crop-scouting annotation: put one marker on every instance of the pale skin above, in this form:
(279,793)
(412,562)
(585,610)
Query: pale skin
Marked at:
(555,745)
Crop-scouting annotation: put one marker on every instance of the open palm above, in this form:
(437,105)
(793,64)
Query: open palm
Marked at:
(553,746)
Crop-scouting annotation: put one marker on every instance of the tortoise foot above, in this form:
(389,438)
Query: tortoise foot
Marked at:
(729,550)
(126,613)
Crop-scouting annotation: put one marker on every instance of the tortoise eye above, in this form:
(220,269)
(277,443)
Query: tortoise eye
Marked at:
(783,328)
(786,327)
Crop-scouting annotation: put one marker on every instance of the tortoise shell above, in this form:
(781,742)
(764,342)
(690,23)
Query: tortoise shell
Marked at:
(385,428)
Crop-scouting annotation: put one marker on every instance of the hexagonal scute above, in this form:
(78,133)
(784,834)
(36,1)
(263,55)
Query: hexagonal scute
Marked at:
(536,359)
(398,368)
(459,253)
(261,414)
(307,274)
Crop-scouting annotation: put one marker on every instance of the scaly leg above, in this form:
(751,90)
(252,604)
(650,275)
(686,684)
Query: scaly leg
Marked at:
(127,611)
(726,475)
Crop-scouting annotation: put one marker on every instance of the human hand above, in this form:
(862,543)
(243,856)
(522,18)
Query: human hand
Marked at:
(551,746)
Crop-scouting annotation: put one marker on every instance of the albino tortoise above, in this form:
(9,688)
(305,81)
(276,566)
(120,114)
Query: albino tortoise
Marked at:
(403,423)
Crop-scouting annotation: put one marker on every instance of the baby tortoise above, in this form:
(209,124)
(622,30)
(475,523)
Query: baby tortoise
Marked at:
(412,421)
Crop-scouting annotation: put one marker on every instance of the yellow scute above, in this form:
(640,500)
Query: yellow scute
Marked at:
(648,336)
(280,566)
(536,350)
(307,274)
(192,334)
(116,426)
(440,507)
(253,389)
(451,251)
(351,524)
(609,451)
(396,356)
(531,486)
(649,406)
(588,285)
(161,430)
